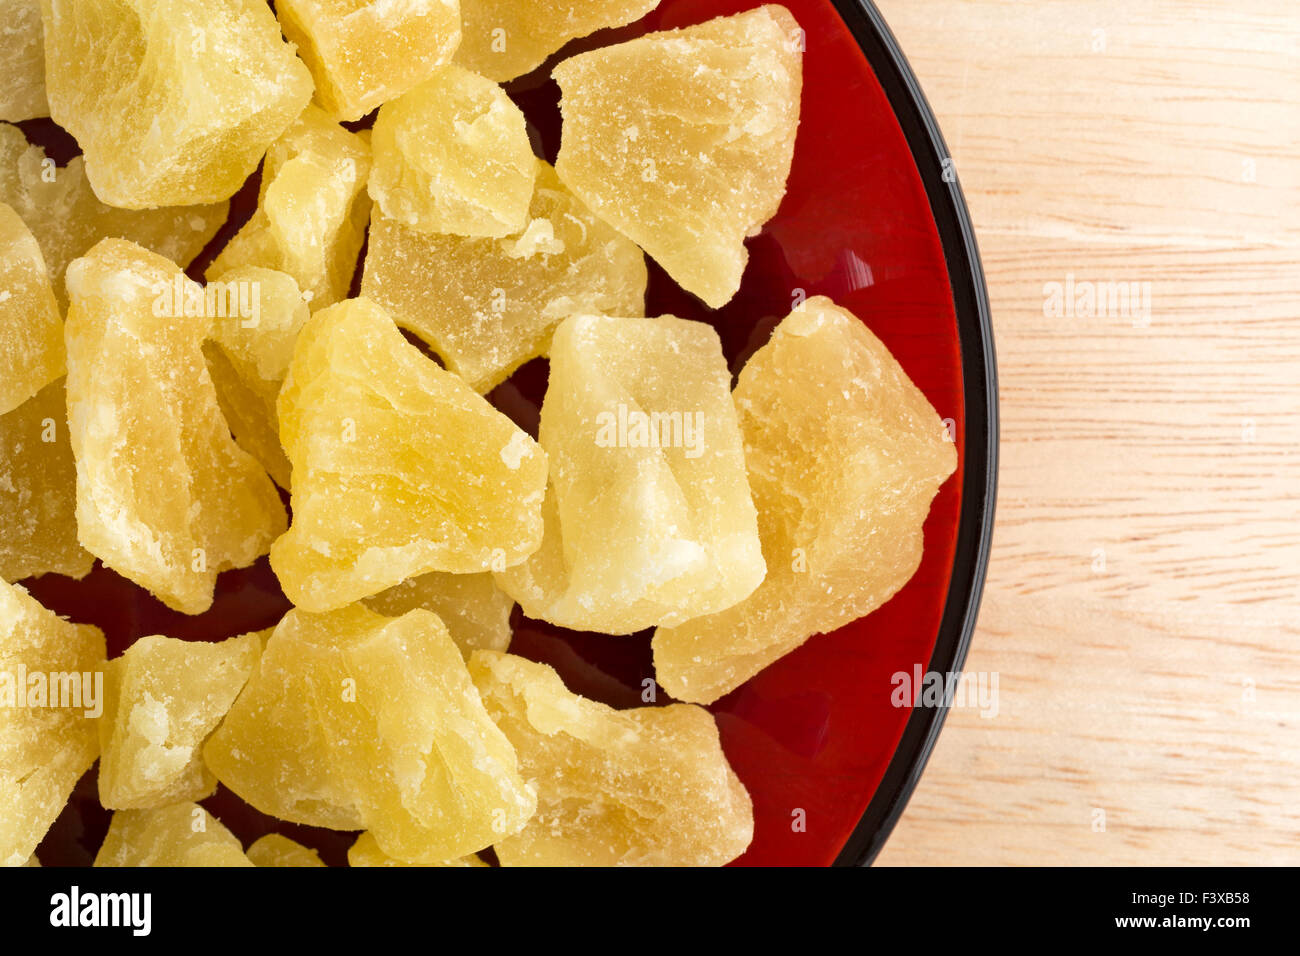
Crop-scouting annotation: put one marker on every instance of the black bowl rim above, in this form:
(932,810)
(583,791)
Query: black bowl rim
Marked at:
(979,371)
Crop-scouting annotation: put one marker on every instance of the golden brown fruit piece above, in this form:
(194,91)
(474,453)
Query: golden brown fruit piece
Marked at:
(276,850)
(49,699)
(648,517)
(845,455)
(162,699)
(248,357)
(643,787)
(354,720)
(365,52)
(61,210)
(312,210)
(164,495)
(38,491)
(399,467)
(503,39)
(452,155)
(366,852)
(22,61)
(682,140)
(173,102)
(183,834)
(475,610)
(31,328)
(497,301)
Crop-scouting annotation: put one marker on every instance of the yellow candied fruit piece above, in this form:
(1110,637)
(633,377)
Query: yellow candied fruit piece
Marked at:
(248,352)
(38,491)
(845,455)
(503,39)
(31,328)
(643,787)
(366,52)
(173,102)
(22,62)
(183,834)
(358,721)
(277,850)
(61,210)
(452,155)
(682,140)
(49,700)
(162,699)
(164,495)
(475,610)
(497,301)
(366,852)
(399,467)
(311,212)
(648,515)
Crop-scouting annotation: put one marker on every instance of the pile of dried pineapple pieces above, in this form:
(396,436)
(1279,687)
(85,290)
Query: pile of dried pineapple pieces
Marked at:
(147,420)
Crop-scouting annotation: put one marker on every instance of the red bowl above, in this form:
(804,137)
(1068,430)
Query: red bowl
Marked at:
(874,218)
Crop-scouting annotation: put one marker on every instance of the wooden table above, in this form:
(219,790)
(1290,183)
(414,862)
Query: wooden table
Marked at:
(1143,602)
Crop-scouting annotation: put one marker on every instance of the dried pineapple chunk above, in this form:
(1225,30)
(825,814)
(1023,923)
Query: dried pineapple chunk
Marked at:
(38,491)
(31,328)
(312,209)
(682,140)
(365,52)
(354,720)
(503,39)
(845,455)
(61,210)
(164,495)
(366,852)
(648,516)
(497,301)
(276,850)
(22,62)
(162,699)
(248,357)
(475,610)
(643,787)
(399,468)
(452,155)
(49,699)
(183,834)
(173,102)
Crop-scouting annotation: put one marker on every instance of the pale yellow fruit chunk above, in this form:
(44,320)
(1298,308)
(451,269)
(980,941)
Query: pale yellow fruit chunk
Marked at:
(172,101)
(277,850)
(475,610)
(682,140)
(399,467)
(164,495)
(503,39)
(648,516)
(358,721)
(183,834)
(61,210)
(162,698)
(366,852)
(845,455)
(31,328)
(22,61)
(248,353)
(497,301)
(452,155)
(49,700)
(311,212)
(38,491)
(643,787)
(366,52)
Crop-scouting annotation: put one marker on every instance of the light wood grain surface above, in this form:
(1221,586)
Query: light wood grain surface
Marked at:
(1143,603)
